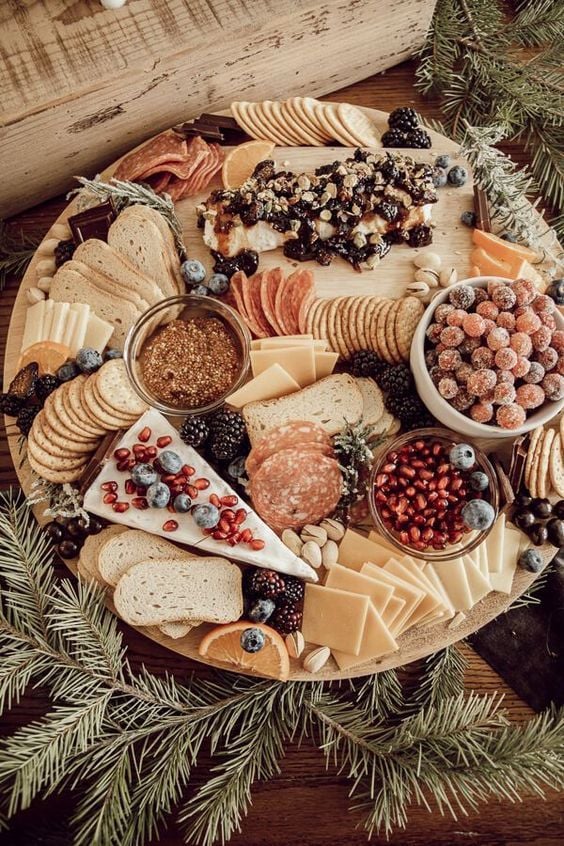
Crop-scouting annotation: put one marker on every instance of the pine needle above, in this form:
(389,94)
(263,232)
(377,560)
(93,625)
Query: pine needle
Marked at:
(15,254)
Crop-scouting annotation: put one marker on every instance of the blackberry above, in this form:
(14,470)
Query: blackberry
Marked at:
(45,385)
(194,431)
(397,380)
(419,139)
(405,119)
(286,619)
(419,236)
(394,138)
(265,584)
(64,251)
(293,592)
(227,433)
(10,405)
(366,363)
(25,418)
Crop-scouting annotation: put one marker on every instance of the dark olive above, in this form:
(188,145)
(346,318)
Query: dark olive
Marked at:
(95,526)
(555,531)
(67,549)
(541,508)
(558,509)
(524,519)
(538,534)
(54,532)
(522,501)
(77,528)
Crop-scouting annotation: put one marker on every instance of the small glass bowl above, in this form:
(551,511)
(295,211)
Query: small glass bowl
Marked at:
(471,539)
(185,307)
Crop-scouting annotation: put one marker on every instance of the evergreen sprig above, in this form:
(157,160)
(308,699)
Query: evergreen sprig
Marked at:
(15,254)
(473,58)
(126,742)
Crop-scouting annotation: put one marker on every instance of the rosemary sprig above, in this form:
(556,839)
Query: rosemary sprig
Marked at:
(15,254)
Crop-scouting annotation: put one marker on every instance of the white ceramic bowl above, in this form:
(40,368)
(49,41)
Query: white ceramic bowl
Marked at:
(440,408)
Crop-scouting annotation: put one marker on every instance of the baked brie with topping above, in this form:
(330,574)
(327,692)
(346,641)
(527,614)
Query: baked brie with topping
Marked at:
(354,208)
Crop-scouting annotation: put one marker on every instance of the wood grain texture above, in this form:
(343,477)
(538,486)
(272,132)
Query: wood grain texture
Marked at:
(307,805)
(81,84)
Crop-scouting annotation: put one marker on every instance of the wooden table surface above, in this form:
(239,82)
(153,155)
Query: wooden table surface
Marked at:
(305,805)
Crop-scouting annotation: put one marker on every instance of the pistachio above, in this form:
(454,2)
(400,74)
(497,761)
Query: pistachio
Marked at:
(430,277)
(44,284)
(295,644)
(330,554)
(317,659)
(429,260)
(292,540)
(34,295)
(335,529)
(448,276)
(417,289)
(311,554)
(317,534)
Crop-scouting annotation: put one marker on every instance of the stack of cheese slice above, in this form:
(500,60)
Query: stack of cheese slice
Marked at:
(492,255)
(72,324)
(305,359)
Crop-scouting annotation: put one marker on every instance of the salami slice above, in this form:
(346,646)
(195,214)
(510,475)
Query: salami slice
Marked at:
(296,433)
(205,172)
(296,486)
(159,182)
(251,300)
(300,287)
(167,147)
(283,314)
(236,287)
(269,283)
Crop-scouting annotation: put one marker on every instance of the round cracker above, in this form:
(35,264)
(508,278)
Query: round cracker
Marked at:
(305,107)
(261,116)
(290,117)
(344,326)
(362,321)
(310,318)
(73,430)
(53,410)
(126,419)
(320,324)
(358,125)
(392,331)
(533,441)
(381,331)
(239,111)
(373,330)
(117,391)
(95,409)
(350,324)
(58,477)
(556,465)
(54,462)
(50,441)
(76,408)
(339,130)
(285,128)
(543,464)
(410,313)
(334,332)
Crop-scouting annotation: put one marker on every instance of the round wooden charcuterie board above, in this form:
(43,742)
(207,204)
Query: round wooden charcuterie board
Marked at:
(451,240)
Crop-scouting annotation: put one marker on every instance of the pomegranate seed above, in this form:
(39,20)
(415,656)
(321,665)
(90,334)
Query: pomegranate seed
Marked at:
(419,520)
(170,507)
(381,479)
(410,491)
(123,465)
(139,449)
(120,507)
(246,535)
(229,500)
(181,480)
(214,500)
(109,486)
(191,491)
(202,484)
(257,544)
(164,441)
(224,526)
(426,475)
(151,452)
(188,470)
(140,490)
(130,486)
(228,514)
(219,535)
(236,536)
(109,497)
(404,537)
(168,478)
(170,526)
(122,453)
(240,516)
(131,462)
(415,533)
(144,434)
(140,502)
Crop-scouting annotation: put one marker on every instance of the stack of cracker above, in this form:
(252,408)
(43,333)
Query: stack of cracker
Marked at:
(544,467)
(380,324)
(75,417)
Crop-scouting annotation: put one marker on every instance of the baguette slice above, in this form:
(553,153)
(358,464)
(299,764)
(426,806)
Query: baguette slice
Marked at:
(88,568)
(332,402)
(206,589)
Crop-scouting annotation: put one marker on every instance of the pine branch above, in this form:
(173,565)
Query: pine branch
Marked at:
(443,678)
(380,696)
(15,255)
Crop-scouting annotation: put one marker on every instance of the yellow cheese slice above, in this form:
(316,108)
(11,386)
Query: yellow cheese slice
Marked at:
(494,545)
(527,271)
(514,543)
(82,311)
(346,579)
(431,574)
(429,601)
(272,382)
(33,329)
(355,550)
(477,584)
(417,568)
(70,326)
(299,362)
(257,344)
(376,642)
(392,612)
(285,341)
(47,320)
(324,363)
(381,541)
(483,559)
(411,595)
(453,578)
(334,618)
(60,312)
(98,333)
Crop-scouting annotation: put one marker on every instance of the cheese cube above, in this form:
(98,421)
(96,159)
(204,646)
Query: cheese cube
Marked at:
(334,618)
(299,362)
(346,579)
(272,382)
(376,642)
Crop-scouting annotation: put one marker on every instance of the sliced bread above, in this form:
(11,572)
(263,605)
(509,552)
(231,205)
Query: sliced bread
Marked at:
(110,286)
(88,569)
(118,554)
(332,403)
(206,589)
(373,400)
(125,275)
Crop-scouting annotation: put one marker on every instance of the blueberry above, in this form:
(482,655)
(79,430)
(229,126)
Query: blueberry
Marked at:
(252,640)
(556,291)
(236,468)
(200,290)
(193,271)
(170,461)
(531,560)
(468,218)
(112,353)
(89,360)
(144,474)
(205,516)
(462,457)
(439,177)
(158,495)
(218,283)
(182,503)
(262,610)
(478,514)
(478,481)
(457,176)
(68,371)
(442,161)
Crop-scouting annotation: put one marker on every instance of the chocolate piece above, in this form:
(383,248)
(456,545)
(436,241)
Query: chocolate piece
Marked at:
(482,209)
(93,223)
(104,451)
(222,121)
(518,459)
(208,126)
(505,487)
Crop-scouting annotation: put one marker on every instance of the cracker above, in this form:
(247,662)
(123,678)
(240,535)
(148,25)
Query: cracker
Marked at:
(95,409)
(343,326)
(75,408)
(304,110)
(298,126)
(127,419)
(73,429)
(358,125)
(333,331)
(54,413)
(381,331)
(363,322)
(543,464)
(409,314)
(392,331)
(310,318)
(240,113)
(373,331)
(53,462)
(339,130)
(116,389)
(262,117)
(352,324)
(320,320)
(50,441)
(533,442)
(58,477)
(556,465)
(284,127)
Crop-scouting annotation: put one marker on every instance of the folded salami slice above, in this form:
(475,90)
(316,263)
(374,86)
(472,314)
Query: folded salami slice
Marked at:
(167,147)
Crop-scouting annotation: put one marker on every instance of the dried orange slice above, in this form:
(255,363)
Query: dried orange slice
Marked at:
(240,162)
(224,644)
(49,356)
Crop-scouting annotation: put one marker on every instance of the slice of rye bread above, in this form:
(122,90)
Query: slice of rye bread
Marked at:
(151,594)
(332,403)
(373,400)
(70,286)
(88,558)
(113,264)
